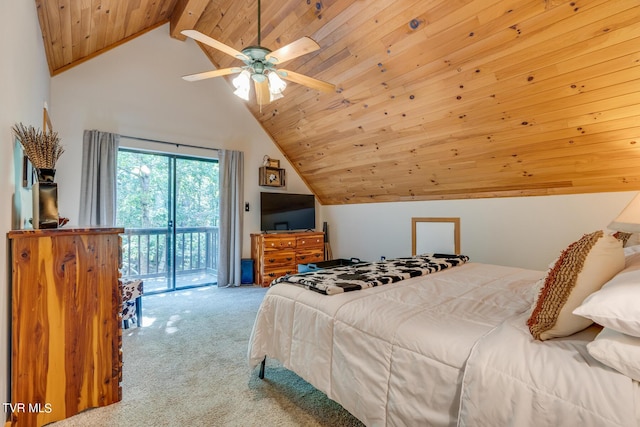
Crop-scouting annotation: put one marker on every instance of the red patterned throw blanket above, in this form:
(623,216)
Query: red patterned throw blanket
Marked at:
(367,275)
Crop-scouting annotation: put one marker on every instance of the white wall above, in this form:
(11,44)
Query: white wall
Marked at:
(24,87)
(137,90)
(526,232)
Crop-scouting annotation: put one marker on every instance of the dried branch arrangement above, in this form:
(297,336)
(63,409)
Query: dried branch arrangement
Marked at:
(42,148)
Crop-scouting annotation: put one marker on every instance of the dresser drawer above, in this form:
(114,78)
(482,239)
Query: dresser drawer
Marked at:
(279,242)
(279,259)
(313,241)
(306,256)
(274,273)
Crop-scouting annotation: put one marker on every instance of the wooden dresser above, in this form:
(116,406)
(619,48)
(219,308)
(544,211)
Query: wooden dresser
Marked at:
(66,332)
(277,254)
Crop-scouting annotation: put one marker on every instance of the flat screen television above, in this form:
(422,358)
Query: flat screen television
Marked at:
(287,212)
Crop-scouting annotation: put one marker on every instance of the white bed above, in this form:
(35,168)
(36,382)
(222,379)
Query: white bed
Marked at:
(448,348)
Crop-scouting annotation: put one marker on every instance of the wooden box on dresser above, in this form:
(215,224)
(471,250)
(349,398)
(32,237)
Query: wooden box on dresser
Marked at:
(277,254)
(66,332)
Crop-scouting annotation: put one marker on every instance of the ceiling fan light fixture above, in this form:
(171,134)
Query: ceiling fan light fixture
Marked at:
(242,83)
(242,92)
(241,79)
(276,84)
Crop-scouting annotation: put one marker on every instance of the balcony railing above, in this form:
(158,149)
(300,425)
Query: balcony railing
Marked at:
(146,252)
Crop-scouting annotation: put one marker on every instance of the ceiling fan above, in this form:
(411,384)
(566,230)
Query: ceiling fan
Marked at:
(260,66)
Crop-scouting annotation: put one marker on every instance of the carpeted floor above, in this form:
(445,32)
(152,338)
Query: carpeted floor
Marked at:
(187,366)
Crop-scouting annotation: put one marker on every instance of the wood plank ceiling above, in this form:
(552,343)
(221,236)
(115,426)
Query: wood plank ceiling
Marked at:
(436,99)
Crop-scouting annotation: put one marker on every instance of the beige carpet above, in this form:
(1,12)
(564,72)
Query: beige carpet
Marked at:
(187,366)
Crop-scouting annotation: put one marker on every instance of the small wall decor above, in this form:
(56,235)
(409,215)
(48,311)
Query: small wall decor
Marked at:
(274,163)
(271,177)
(27,171)
(269,162)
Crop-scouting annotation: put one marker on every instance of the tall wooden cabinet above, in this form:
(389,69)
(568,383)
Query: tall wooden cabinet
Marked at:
(66,333)
(277,254)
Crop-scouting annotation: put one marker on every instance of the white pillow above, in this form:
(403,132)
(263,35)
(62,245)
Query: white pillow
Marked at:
(618,351)
(617,304)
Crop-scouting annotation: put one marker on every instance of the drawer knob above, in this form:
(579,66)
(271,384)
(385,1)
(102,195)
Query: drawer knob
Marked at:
(289,258)
(272,260)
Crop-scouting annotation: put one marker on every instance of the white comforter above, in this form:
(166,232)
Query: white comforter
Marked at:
(543,383)
(396,354)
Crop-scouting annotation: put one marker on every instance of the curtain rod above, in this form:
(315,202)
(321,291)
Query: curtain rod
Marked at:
(177,145)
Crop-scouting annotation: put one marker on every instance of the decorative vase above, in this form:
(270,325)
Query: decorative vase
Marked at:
(45,200)
(46,175)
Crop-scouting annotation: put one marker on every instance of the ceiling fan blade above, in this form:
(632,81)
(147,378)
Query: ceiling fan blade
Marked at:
(307,81)
(210,74)
(263,97)
(203,38)
(293,50)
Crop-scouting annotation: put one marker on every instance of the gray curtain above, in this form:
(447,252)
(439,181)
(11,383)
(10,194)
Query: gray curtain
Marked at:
(98,179)
(231,166)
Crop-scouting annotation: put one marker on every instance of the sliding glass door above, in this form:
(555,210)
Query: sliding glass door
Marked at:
(169,208)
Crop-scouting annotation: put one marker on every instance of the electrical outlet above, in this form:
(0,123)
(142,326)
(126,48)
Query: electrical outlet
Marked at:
(246,207)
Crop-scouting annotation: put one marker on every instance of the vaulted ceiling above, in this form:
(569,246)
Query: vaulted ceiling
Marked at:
(435,99)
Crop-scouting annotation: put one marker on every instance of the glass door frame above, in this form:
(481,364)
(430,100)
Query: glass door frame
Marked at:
(172,214)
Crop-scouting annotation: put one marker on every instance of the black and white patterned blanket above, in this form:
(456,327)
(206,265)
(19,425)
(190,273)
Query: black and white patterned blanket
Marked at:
(367,275)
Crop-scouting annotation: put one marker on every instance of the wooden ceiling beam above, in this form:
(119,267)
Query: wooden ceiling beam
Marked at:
(184,16)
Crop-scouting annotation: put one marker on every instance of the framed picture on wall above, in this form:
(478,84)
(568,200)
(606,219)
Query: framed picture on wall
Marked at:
(27,170)
(271,177)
